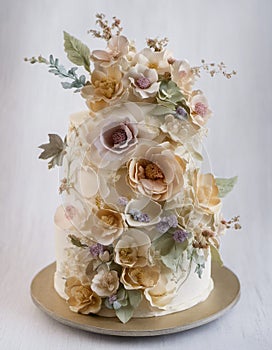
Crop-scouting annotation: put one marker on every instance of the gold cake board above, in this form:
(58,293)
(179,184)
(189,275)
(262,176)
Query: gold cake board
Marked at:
(224,296)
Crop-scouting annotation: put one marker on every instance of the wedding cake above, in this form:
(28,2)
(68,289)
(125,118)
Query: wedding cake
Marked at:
(139,222)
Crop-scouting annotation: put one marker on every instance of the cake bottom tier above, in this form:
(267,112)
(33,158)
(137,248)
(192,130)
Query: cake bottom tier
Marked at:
(189,288)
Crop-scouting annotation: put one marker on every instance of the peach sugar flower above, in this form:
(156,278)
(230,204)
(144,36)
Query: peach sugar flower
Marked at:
(81,298)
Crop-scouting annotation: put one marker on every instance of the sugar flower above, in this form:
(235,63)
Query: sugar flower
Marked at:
(104,226)
(166,223)
(140,277)
(133,249)
(115,137)
(182,75)
(144,81)
(118,46)
(105,89)
(156,172)
(163,292)
(154,60)
(81,298)
(206,192)
(142,212)
(200,109)
(106,282)
(71,215)
(180,236)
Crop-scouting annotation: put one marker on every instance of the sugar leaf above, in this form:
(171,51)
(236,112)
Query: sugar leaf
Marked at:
(77,52)
(55,149)
(225,185)
(76,241)
(135,297)
(124,313)
(174,258)
(216,255)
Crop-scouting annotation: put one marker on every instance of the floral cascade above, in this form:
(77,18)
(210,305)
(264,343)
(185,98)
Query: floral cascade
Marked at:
(138,213)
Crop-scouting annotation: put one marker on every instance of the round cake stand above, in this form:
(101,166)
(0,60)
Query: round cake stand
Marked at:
(224,296)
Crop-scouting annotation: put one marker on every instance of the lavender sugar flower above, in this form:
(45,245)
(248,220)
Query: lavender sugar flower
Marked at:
(180,236)
(139,216)
(96,250)
(166,223)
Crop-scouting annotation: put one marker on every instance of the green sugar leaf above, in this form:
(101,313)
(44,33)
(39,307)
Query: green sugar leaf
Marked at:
(175,256)
(124,313)
(216,255)
(77,52)
(135,297)
(76,241)
(225,185)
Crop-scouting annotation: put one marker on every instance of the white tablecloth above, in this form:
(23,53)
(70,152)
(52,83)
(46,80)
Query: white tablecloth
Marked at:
(33,104)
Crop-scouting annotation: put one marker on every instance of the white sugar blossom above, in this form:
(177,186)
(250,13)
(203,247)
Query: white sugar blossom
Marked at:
(105,282)
(154,60)
(200,108)
(182,75)
(144,81)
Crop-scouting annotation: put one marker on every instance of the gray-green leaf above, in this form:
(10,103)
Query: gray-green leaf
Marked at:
(174,258)
(134,297)
(55,149)
(77,52)
(76,241)
(124,313)
(225,185)
(216,255)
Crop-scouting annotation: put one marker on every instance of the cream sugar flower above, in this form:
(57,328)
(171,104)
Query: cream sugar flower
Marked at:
(140,277)
(118,46)
(154,60)
(182,75)
(163,292)
(113,139)
(81,298)
(200,109)
(206,192)
(104,226)
(105,282)
(156,172)
(133,249)
(106,88)
(144,81)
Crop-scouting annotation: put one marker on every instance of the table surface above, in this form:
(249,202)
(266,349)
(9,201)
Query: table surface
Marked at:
(33,104)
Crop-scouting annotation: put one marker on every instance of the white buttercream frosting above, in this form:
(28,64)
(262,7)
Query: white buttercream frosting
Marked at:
(188,288)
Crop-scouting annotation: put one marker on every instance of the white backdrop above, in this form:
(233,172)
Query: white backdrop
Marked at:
(33,103)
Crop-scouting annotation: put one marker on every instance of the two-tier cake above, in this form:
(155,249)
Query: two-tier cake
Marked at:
(139,222)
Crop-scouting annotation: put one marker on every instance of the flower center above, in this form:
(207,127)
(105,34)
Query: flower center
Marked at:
(143,83)
(109,219)
(107,86)
(119,137)
(200,109)
(152,65)
(153,172)
(126,255)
